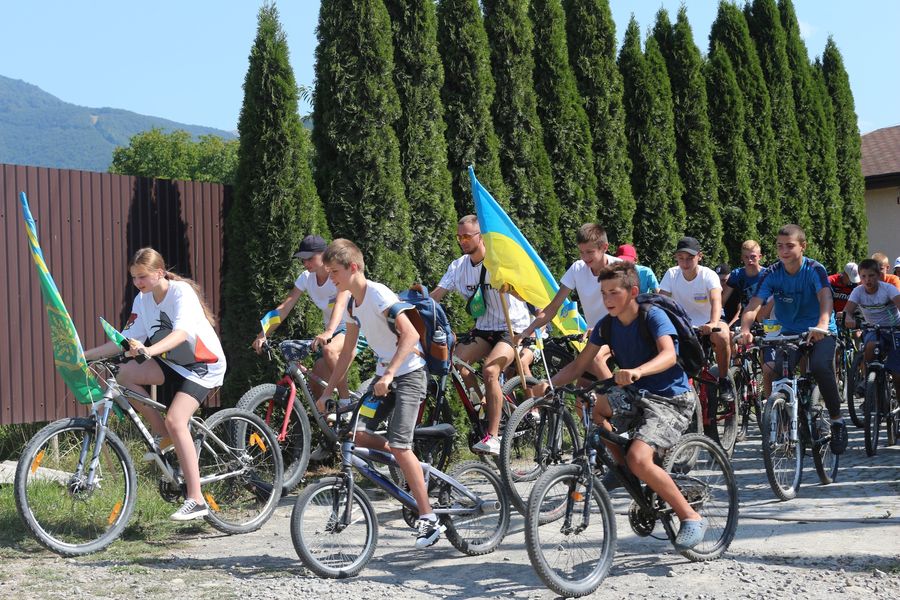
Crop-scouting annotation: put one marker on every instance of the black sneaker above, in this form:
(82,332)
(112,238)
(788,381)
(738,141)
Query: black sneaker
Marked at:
(191,509)
(429,532)
(726,390)
(838,437)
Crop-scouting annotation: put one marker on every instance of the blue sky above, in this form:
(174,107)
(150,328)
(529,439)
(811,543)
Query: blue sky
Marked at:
(185,60)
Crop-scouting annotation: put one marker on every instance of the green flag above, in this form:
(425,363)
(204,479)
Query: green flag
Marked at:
(68,354)
(113,334)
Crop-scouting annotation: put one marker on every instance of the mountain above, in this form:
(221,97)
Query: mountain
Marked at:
(37,128)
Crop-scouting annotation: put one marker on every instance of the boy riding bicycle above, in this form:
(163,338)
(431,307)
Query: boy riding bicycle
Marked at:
(667,400)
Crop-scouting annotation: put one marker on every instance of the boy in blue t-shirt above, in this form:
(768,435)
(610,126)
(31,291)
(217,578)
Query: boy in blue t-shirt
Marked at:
(803,304)
(668,404)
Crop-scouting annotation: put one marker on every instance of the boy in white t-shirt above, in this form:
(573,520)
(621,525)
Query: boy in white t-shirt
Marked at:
(399,362)
(698,290)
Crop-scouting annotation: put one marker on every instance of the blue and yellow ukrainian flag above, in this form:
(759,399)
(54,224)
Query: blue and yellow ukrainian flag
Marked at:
(510,259)
(269,321)
(68,354)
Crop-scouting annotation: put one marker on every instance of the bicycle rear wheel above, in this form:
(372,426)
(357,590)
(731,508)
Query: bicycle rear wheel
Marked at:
(571,555)
(782,456)
(296,443)
(700,469)
(240,471)
(481,530)
(892,416)
(324,546)
(856,375)
(727,416)
(824,459)
(543,436)
(54,499)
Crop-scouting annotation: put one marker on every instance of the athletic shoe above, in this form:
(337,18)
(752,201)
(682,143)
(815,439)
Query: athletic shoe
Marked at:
(429,532)
(163,443)
(489,445)
(191,509)
(838,437)
(690,534)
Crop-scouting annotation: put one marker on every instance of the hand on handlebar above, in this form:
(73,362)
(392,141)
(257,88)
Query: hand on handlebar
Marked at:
(626,376)
(258,344)
(137,350)
(320,340)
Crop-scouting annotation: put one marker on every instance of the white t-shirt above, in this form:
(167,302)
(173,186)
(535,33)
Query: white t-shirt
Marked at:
(323,296)
(580,278)
(877,308)
(373,324)
(199,358)
(462,276)
(693,295)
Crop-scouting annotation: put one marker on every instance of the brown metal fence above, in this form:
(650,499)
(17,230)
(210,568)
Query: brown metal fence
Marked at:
(89,224)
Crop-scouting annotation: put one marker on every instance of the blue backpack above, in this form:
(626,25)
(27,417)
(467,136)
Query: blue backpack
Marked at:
(690,350)
(430,320)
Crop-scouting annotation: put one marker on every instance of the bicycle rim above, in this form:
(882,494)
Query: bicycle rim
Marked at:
(65,514)
(240,471)
(727,417)
(323,545)
(783,458)
(572,559)
(481,530)
(855,402)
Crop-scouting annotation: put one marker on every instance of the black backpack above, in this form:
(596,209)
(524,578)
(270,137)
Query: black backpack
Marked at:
(690,351)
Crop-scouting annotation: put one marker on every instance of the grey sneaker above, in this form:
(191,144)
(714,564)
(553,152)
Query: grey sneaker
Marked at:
(191,509)
(429,532)
(690,534)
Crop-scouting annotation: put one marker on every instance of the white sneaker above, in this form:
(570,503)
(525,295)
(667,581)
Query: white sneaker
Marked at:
(489,445)
(191,509)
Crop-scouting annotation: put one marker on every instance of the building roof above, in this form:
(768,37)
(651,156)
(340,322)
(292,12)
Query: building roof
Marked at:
(881,152)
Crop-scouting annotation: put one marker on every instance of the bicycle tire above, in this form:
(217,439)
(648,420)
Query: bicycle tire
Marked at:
(240,471)
(321,549)
(552,547)
(855,402)
(704,475)
(727,418)
(825,461)
(892,420)
(64,516)
(696,424)
(295,448)
(526,454)
(742,393)
(481,532)
(872,413)
(783,458)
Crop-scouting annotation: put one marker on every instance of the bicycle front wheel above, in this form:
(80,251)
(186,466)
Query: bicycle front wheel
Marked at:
(543,436)
(476,525)
(240,471)
(824,459)
(570,534)
(700,469)
(297,434)
(856,375)
(325,544)
(727,416)
(872,412)
(782,456)
(66,513)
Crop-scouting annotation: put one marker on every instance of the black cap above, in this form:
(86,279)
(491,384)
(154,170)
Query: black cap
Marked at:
(311,244)
(689,245)
(722,269)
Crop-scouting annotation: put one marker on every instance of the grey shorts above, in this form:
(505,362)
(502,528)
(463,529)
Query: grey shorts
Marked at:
(656,420)
(400,407)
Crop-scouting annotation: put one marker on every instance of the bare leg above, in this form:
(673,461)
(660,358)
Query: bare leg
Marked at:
(497,360)
(640,462)
(177,417)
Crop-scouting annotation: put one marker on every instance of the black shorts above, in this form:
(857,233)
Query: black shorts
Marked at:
(491,337)
(175,382)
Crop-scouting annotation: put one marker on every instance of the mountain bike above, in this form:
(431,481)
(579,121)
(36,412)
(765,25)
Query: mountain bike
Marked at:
(720,418)
(570,526)
(850,369)
(76,488)
(794,419)
(881,404)
(334,527)
(746,372)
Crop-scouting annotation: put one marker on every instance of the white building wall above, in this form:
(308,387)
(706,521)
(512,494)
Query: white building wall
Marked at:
(883,211)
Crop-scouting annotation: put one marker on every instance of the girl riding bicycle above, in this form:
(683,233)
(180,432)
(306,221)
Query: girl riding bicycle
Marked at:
(170,323)
(315,282)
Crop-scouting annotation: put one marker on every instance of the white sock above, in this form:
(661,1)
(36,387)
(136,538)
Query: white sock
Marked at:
(430,517)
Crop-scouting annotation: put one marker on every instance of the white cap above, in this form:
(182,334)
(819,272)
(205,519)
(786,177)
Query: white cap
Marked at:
(852,271)
(897,262)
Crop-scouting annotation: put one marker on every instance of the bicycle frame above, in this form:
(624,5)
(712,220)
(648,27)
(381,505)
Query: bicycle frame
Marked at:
(790,384)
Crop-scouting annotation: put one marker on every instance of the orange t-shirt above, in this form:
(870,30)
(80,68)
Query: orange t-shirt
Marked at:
(892,279)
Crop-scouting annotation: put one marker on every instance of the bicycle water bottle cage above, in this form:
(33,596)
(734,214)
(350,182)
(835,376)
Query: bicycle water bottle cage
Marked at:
(295,350)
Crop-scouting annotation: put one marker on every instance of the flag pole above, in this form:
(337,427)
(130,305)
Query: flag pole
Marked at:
(519,367)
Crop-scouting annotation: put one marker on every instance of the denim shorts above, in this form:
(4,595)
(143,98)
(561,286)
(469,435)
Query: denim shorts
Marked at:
(656,420)
(400,407)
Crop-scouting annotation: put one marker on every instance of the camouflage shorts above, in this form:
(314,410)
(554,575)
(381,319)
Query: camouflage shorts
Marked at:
(656,420)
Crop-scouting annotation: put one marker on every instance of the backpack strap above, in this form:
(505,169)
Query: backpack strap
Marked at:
(414,317)
(644,329)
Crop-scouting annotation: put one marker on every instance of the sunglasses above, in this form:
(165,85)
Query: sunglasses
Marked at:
(465,237)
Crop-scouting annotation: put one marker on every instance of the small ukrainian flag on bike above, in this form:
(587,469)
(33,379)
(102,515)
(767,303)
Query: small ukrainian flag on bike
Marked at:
(510,259)
(68,354)
(270,320)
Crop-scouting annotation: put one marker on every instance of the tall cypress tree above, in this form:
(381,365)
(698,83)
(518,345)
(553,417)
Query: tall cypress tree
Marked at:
(731,32)
(726,117)
(357,151)
(817,137)
(567,135)
(468,93)
(848,150)
(651,145)
(418,76)
(790,158)
(274,203)
(693,149)
(591,36)
(523,158)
